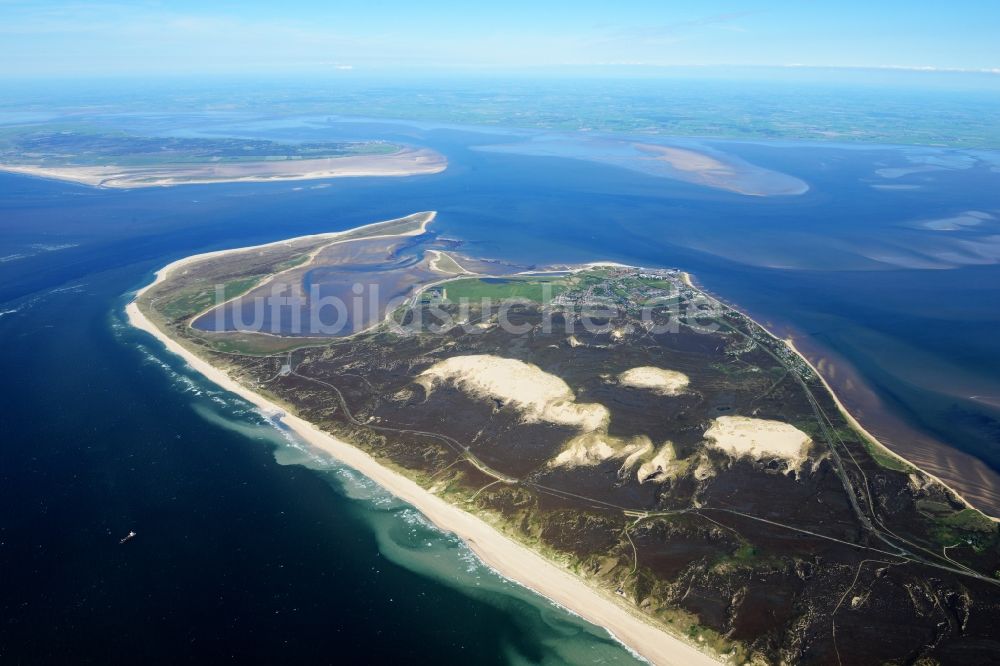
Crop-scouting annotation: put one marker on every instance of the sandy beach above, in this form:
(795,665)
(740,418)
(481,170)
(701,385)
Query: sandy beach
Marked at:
(509,558)
(872,438)
(689,281)
(405,162)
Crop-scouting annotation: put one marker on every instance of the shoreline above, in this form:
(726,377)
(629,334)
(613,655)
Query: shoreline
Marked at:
(869,436)
(408,162)
(510,559)
(688,280)
(332,236)
(841,407)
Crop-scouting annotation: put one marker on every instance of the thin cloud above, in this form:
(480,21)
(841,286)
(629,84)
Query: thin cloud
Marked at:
(906,68)
(674,31)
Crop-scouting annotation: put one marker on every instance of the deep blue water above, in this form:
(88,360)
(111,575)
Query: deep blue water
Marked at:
(241,555)
(248,547)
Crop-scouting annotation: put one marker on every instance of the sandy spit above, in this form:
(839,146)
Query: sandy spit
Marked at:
(407,162)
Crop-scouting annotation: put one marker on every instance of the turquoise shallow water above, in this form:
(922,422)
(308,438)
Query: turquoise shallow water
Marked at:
(408,540)
(248,545)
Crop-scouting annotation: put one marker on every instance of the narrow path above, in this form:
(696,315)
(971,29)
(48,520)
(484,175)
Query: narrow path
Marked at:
(449,441)
(833,615)
(866,515)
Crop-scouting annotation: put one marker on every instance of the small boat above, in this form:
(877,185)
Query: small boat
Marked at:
(128,537)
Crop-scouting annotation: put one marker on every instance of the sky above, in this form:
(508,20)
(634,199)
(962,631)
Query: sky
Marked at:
(40,38)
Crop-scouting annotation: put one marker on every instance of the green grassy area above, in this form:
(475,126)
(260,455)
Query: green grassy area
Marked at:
(591,278)
(970,520)
(656,284)
(258,345)
(533,289)
(952,527)
(191,302)
(880,456)
(64,144)
(292,263)
(745,553)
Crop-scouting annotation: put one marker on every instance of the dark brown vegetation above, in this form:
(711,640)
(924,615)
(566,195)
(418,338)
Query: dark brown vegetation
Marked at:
(850,557)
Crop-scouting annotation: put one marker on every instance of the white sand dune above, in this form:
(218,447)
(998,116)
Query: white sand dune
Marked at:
(658,467)
(758,438)
(659,380)
(588,449)
(593,448)
(539,395)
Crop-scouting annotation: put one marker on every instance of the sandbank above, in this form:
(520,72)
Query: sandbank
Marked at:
(405,162)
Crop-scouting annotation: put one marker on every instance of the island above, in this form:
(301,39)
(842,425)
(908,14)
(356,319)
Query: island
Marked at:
(610,436)
(125,161)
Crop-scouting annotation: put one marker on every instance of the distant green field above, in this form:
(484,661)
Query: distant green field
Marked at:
(81,145)
(656,284)
(532,289)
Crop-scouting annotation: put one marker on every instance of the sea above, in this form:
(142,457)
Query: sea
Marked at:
(250,547)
